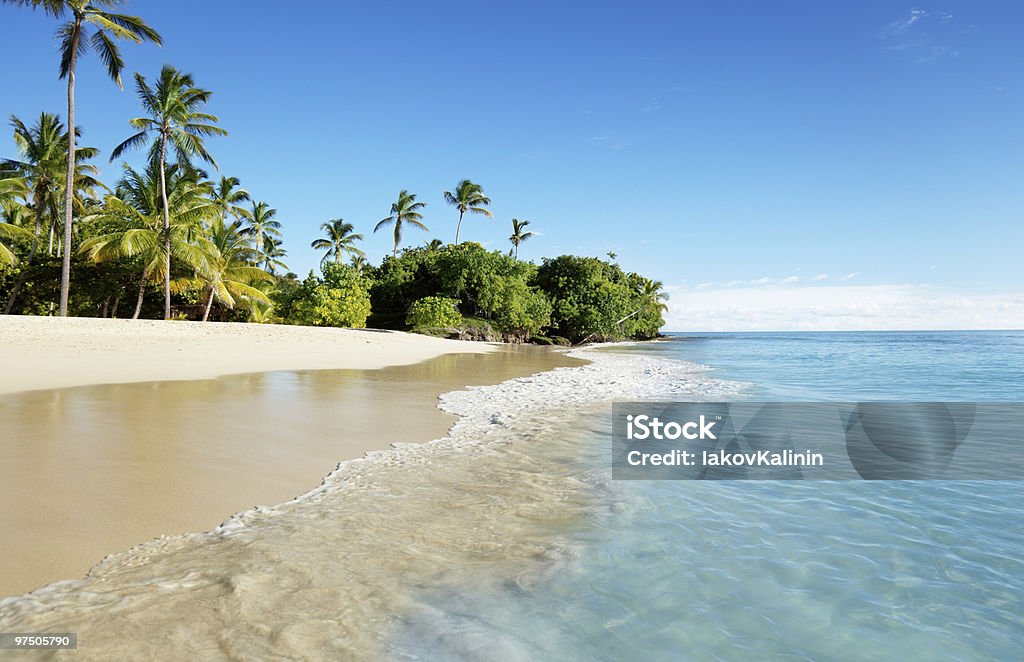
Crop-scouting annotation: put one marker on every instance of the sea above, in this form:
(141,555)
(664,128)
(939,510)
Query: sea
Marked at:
(509,539)
(686,570)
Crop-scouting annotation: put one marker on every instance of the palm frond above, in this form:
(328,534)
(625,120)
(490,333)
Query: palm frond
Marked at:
(109,54)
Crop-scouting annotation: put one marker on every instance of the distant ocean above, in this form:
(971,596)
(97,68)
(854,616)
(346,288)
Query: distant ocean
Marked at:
(667,570)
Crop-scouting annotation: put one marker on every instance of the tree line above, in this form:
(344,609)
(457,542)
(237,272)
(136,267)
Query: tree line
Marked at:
(168,240)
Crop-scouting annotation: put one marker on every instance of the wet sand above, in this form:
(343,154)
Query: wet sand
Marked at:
(91,470)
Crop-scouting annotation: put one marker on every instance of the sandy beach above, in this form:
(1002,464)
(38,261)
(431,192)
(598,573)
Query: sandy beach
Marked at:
(149,443)
(53,352)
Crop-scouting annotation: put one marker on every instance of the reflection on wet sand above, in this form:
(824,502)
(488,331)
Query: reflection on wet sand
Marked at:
(91,470)
(336,573)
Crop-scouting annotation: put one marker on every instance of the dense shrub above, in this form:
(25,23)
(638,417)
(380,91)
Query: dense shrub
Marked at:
(516,307)
(577,298)
(340,298)
(591,298)
(434,312)
(488,284)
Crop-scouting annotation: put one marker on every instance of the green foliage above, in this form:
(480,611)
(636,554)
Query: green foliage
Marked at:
(594,299)
(488,284)
(437,312)
(516,307)
(340,298)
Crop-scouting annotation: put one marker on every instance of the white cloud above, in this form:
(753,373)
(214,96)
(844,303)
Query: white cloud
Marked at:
(789,279)
(850,276)
(841,307)
(821,277)
(764,280)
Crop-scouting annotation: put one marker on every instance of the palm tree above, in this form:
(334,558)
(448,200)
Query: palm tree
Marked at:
(173,108)
(404,210)
(273,251)
(260,227)
(263,314)
(137,207)
(12,188)
(468,197)
(651,294)
(359,263)
(228,197)
(227,269)
(42,150)
(75,39)
(11,231)
(518,236)
(341,238)
(433,245)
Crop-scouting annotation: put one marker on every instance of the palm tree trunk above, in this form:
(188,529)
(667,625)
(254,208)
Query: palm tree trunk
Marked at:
(209,304)
(23,276)
(113,310)
(69,182)
(142,294)
(167,228)
(517,252)
(398,235)
(458,228)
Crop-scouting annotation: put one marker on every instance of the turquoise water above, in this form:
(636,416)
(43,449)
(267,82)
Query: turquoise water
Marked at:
(938,365)
(782,571)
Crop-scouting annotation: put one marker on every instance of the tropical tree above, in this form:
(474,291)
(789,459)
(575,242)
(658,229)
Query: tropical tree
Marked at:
(652,296)
(263,313)
(518,236)
(404,210)
(12,188)
(10,231)
(359,263)
(89,28)
(273,251)
(42,150)
(228,196)
(433,245)
(467,197)
(174,120)
(227,269)
(340,240)
(137,211)
(260,226)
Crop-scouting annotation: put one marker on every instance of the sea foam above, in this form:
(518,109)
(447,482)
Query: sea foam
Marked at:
(329,572)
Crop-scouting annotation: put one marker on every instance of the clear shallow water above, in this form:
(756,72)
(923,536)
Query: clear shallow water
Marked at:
(508,540)
(793,571)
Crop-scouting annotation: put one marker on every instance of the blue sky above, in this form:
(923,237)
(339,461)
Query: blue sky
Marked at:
(777,165)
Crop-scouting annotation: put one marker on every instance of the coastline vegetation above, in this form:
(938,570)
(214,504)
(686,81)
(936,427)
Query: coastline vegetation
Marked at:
(168,240)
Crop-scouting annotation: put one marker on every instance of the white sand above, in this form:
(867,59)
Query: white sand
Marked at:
(53,352)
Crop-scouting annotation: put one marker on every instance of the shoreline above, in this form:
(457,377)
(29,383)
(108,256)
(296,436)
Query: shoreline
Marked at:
(169,457)
(42,353)
(370,530)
